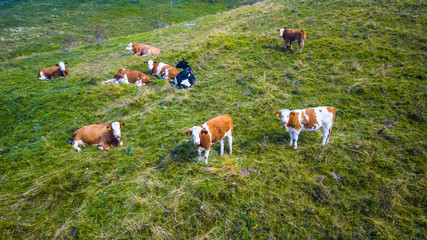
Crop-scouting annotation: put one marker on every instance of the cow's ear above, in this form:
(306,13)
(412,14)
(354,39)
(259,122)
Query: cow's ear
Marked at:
(204,132)
(292,114)
(145,62)
(156,62)
(188,132)
(122,125)
(279,114)
(57,65)
(66,63)
(109,127)
(278,30)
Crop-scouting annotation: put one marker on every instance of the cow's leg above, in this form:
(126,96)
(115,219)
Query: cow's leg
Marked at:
(286,42)
(296,139)
(325,135)
(291,141)
(103,146)
(200,155)
(222,147)
(76,145)
(301,45)
(206,156)
(230,143)
(290,45)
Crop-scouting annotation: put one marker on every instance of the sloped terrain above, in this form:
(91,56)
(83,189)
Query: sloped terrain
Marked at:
(364,58)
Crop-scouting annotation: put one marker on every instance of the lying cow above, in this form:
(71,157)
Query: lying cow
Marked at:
(162,70)
(129,76)
(211,132)
(102,135)
(143,49)
(293,36)
(310,119)
(185,78)
(53,72)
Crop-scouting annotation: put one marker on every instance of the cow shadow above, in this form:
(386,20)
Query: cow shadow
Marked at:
(280,48)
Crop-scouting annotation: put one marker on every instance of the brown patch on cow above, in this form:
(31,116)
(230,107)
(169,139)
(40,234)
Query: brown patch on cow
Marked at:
(172,73)
(293,121)
(217,127)
(312,118)
(331,110)
(320,110)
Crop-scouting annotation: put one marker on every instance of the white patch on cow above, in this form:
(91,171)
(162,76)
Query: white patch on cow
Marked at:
(124,69)
(284,116)
(61,66)
(148,53)
(195,132)
(159,70)
(189,74)
(186,83)
(124,79)
(76,145)
(116,130)
(129,47)
(150,64)
(113,80)
(42,76)
(175,82)
(281,32)
(138,82)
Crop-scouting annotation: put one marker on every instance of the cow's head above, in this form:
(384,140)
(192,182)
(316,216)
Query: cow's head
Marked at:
(198,133)
(281,31)
(120,74)
(115,128)
(151,64)
(284,115)
(182,64)
(129,47)
(61,66)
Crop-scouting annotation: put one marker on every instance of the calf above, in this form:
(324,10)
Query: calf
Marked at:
(162,70)
(185,78)
(211,132)
(143,49)
(310,119)
(293,36)
(129,76)
(53,72)
(101,135)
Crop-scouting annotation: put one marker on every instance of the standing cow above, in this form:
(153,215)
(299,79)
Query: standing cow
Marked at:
(53,72)
(310,119)
(292,35)
(212,131)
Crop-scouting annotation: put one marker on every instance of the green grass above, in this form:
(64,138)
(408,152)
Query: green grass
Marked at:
(364,58)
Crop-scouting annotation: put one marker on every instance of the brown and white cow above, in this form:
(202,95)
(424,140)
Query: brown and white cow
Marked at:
(101,135)
(211,132)
(143,49)
(162,70)
(129,76)
(310,119)
(292,35)
(53,72)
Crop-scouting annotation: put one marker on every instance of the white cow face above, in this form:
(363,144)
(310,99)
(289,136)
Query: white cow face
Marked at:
(116,128)
(129,47)
(150,64)
(284,115)
(281,31)
(61,66)
(195,132)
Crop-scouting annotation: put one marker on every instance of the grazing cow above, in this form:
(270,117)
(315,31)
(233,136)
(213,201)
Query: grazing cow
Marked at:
(143,49)
(101,135)
(53,72)
(211,132)
(162,70)
(293,36)
(310,119)
(185,78)
(129,76)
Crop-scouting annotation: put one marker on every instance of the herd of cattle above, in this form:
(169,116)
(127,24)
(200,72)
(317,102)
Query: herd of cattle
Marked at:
(215,130)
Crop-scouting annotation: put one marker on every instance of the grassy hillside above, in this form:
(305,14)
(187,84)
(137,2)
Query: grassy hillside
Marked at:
(365,58)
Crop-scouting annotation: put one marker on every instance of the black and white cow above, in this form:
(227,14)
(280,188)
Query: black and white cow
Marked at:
(185,78)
